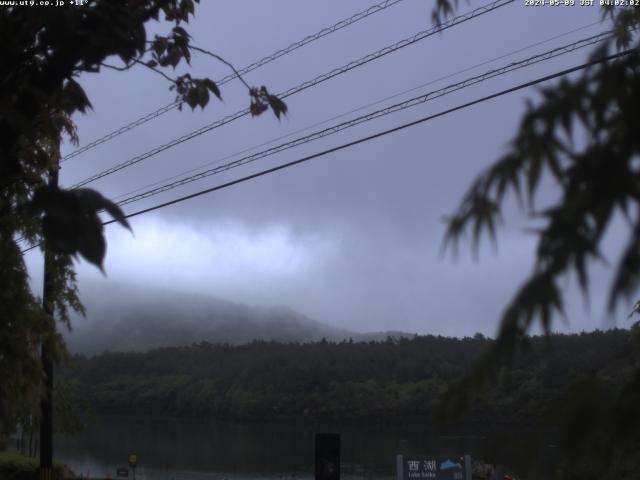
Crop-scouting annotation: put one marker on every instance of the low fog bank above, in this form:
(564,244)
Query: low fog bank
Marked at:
(122,317)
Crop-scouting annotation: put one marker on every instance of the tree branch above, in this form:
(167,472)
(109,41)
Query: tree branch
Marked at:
(119,69)
(158,71)
(219,58)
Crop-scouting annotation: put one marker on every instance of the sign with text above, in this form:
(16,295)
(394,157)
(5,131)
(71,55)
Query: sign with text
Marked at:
(429,467)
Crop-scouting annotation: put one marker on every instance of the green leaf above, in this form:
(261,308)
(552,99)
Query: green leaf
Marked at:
(76,97)
(174,54)
(213,88)
(159,45)
(277,105)
(95,202)
(257,108)
(92,245)
(203,95)
(191,97)
(181,32)
(71,224)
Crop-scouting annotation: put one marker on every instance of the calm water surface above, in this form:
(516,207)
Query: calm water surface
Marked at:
(190,449)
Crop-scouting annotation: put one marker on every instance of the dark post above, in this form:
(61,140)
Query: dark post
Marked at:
(133,462)
(46,403)
(327,456)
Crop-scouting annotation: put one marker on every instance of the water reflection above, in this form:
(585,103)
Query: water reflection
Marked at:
(171,448)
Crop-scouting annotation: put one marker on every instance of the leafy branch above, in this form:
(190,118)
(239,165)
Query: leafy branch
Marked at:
(596,181)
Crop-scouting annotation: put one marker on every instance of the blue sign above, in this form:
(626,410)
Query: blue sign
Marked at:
(427,467)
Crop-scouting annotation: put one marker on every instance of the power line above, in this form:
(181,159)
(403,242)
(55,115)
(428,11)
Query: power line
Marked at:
(379,134)
(303,86)
(510,67)
(355,110)
(249,68)
(371,137)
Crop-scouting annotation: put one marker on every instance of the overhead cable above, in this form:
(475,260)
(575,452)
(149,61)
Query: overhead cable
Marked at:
(379,134)
(355,110)
(303,86)
(242,71)
(510,67)
(370,137)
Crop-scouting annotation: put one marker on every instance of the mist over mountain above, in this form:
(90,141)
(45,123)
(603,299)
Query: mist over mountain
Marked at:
(123,318)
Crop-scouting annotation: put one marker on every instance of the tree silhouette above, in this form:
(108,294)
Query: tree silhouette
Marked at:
(598,178)
(44,50)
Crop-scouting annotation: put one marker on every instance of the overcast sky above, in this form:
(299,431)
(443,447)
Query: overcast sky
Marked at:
(354,238)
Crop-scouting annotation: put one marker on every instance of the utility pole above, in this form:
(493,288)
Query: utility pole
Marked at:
(46,402)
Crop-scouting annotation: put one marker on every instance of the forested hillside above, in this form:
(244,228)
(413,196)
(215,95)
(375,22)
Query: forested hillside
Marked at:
(131,318)
(392,380)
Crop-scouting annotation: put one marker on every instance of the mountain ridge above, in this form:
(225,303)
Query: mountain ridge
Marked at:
(123,318)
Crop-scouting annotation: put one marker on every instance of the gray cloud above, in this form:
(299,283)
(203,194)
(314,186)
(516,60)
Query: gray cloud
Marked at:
(352,239)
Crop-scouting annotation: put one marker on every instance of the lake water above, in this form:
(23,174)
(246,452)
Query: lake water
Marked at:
(190,449)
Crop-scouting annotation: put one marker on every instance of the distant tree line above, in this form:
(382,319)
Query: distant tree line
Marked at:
(391,380)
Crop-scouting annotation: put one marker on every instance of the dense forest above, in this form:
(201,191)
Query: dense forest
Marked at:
(392,380)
